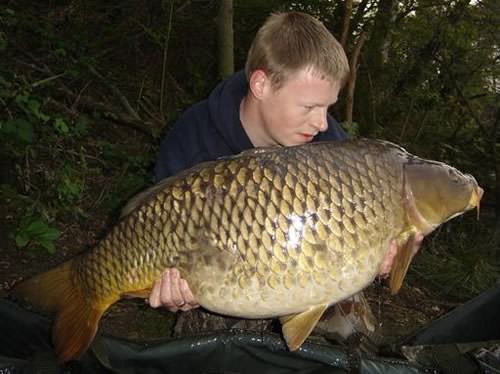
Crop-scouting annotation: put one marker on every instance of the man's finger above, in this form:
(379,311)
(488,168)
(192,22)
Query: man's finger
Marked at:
(187,296)
(175,293)
(419,238)
(386,265)
(166,291)
(154,296)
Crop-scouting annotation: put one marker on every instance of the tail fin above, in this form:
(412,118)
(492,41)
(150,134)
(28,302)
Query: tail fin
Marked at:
(76,315)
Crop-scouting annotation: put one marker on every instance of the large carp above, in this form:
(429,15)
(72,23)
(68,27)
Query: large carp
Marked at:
(281,231)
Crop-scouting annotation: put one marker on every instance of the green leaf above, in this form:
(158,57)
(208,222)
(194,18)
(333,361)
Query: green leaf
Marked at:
(31,106)
(74,72)
(50,234)
(34,105)
(34,230)
(37,227)
(20,129)
(25,131)
(61,126)
(48,245)
(22,240)
(21,99)
(82,125)
(61,52)
(3,41)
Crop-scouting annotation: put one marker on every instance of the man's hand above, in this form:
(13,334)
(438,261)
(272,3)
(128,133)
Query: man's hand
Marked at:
(172,292)
(386,266)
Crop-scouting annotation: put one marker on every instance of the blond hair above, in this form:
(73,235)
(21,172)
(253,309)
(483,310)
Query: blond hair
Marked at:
(289,42)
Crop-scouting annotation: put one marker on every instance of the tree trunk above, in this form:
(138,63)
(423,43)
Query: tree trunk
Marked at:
(359,15)
(496,160)
(374,58)
(225,38)
(351,84)
(381,36)
(345,23)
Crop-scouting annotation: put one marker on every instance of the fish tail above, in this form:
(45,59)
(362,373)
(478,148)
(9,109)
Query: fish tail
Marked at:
(76,315)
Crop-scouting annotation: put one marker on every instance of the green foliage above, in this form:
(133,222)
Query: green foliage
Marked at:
(134,176)
(352,129)
(31,106)
(34,231)
(18,130)
(7,19)
(70,187)
(460,260)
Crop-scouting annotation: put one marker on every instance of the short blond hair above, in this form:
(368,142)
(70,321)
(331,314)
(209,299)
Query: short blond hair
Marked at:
(288,42)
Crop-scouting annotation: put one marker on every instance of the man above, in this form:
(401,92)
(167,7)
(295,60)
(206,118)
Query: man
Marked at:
(294,71)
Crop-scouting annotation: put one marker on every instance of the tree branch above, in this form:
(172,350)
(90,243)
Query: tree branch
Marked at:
(351,84)
(466,102)
(165,55)
(117,93)
(345,23)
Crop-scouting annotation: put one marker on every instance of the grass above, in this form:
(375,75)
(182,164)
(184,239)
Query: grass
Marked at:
(460,260)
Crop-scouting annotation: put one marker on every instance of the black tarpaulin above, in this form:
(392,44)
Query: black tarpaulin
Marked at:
(25,348)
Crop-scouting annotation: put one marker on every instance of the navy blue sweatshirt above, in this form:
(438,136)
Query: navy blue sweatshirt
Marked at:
(212,128)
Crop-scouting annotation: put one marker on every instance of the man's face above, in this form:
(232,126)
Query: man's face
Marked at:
(294,113)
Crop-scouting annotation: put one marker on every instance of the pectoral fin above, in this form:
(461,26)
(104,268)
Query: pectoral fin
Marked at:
(297,327)
(402,262)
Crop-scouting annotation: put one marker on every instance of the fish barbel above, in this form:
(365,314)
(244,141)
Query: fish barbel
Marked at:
(272,232)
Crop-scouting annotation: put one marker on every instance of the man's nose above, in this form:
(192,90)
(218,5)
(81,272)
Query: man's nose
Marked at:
(318,120)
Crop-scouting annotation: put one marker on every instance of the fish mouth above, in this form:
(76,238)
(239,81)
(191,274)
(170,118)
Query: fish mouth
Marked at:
(476,196)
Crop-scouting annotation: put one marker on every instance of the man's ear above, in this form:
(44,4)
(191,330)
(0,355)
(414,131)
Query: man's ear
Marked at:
(258,83)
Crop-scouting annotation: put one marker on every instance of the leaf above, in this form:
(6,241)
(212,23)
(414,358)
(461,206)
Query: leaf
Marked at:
(31,106)
(37,227)
(60,52)
(3,41)
(50,234)
(61,126)
(48,245)
(21,100)
(22,240)
(20,129)
(36,231)
(25,131)
(34,107)
(81,126)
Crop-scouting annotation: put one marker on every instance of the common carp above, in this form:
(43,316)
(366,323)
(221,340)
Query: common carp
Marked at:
(272,232)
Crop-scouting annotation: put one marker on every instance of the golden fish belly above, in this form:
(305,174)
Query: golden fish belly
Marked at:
(256,301)
(261,291)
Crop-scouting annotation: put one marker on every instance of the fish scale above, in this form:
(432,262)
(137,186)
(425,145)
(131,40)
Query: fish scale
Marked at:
(275,232)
